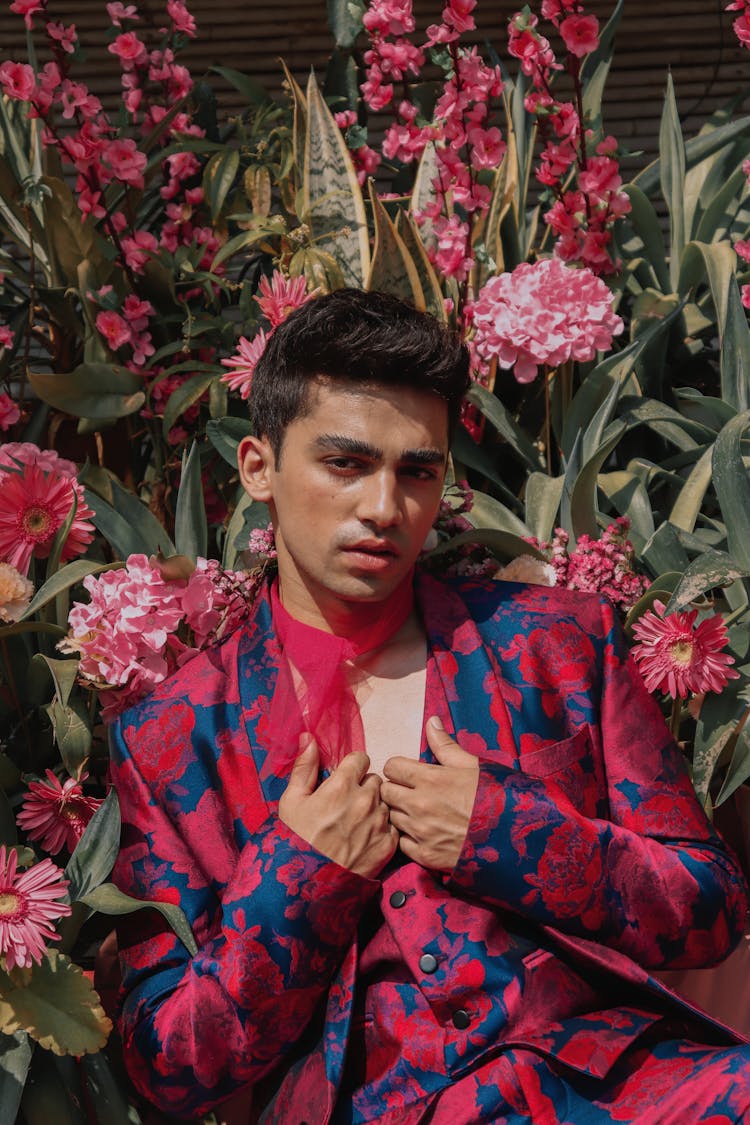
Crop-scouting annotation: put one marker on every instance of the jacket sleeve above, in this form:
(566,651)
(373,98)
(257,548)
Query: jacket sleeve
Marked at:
(198,1027)
(649,877)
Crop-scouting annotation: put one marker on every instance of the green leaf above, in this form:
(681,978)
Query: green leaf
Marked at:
(63,672)
(183,397)
(272,227)
(428,279)
(345,21)
(71,728)
(225,435)
(109,899)
(688,504)
(697,149)
(503,544)
(543,496)
(664,552)
(583,506)
(70,239)
(92,390)
(55,1004)
(711,569)
(252,91)
(218,178)
(96,851)
(595,70)
(332,199)
(735,352)
(705,760)
(733,487)
(628,494)
(500,417)
(8,834)
(190,522)
(247,515)
(645,221)
(108,1096)
(489,513)
(127,524)
(739,766)
(392,269)
(672,157)
(71,574)
(15,1057)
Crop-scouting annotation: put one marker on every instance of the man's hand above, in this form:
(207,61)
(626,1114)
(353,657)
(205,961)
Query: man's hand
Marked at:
(344,817)
(431,805)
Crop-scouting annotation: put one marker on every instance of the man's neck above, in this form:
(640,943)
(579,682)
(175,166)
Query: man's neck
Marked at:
(334,615)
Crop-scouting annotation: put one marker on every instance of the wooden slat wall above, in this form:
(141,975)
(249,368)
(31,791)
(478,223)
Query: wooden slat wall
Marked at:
(692,37)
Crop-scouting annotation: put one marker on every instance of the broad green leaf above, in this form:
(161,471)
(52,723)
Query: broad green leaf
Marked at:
(501,418)
(71,728)
(688,504)
(190,522)
(583,506)
(63,672)
(333,204)
(663,420)
(185,395)
(543,496)
(218,178)
(109,899)
(273,227)
(502,544)
(733,487)
(252,91)
(739,767)
(645,221)
(628,495)
(392,269)
(52,1092)
(428,279)
(716,261)
(697,149)
(705,760)
(710,412)
(15,1057)
(96,851)
(345,20)
(108,1095)
(55,1004)
(128,525)
(489,513)
(595,70)
(69,238)
(672,157)
(716,221)
(466,451)
(92,390)
(664,552)
(225,435)
(711,569)
(735,352)
(659,590)
(70,574)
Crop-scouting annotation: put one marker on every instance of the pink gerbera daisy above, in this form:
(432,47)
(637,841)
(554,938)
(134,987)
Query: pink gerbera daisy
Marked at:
(29,902)
(678,657)
(281,295)
(244,362)
(56,814)
(33,506)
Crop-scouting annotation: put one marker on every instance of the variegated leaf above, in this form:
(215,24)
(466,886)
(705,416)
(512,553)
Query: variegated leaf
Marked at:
(392,269)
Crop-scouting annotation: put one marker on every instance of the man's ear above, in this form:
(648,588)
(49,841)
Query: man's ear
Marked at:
(256,462)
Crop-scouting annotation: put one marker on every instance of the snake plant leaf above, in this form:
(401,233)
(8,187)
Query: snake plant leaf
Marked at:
(91,390)
(735,352)
(392,269)
(424,192)
(332,200)
(299,121)
(672,157)
(504,190)
(688,504)
(543,496)
(55,1003)
(732,487)
(433,297)
(190,521)
(15,1057)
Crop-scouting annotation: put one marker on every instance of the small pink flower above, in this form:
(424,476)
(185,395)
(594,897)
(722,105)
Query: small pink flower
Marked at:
(126,161)
(9,411)
(15,593)
(139,249)
(29,903)
(6,337)
(678,657)
(118,12)
(281,295)
(244,362)
(130,50)
(17,80)
(113,328)
(33,507)
(56,814)
(181,18)
(742,247)
(580,34)
(28,9)
(65,36)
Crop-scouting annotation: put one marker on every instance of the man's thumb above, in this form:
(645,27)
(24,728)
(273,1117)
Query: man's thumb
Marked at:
(445,749)
(304,775)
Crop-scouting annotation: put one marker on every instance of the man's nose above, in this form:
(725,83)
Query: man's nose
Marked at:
(380,503)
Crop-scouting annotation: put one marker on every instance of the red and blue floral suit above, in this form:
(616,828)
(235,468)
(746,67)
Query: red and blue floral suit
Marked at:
(517,988)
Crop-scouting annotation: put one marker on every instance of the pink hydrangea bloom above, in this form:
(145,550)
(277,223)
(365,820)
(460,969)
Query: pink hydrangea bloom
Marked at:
(543,314)
(29,902)
(679,657)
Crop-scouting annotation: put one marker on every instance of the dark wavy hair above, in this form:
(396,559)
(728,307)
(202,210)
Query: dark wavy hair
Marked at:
(357,336)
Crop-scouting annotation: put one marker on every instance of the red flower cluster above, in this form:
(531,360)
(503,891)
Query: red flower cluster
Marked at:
(603,566)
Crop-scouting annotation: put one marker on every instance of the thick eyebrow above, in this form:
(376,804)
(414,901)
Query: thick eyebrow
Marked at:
(344,443)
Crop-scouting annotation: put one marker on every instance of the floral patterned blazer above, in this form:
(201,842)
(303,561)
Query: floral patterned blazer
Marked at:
(587,863)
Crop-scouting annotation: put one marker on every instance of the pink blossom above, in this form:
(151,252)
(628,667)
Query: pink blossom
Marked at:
(9,411)
(15,453)
(389,17)
(56,814)
(543,314)
(281,295)
(345,118)
(137,312)
(28,9)
(742,247)
(677,656)
(457,15)
(29,903)
(138,249)
(18,80)
(125,160)
(113,328)
(604,566)
(244,362)
(366,161)
(130,50)
(6,336)
(181,18)
(580,34)
(118,12)
(65,36)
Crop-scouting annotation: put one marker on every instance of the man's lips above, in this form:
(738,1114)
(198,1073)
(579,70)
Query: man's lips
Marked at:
(373,547)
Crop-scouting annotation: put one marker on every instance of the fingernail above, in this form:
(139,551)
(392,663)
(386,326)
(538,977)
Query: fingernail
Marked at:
(436,722)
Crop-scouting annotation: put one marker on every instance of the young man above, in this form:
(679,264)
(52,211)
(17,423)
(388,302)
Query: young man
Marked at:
(431,837)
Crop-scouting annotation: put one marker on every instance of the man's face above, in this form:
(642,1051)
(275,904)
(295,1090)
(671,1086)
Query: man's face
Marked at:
(354,494)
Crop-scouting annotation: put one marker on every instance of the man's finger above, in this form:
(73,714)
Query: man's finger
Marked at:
(402,771)
(353,767)
(446,750)
(304,776)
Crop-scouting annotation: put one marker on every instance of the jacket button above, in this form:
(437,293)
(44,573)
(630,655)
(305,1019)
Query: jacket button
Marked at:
(397,899)
(460,1019)
(428,963)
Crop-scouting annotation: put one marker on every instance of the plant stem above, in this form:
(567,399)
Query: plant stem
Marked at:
(674,719)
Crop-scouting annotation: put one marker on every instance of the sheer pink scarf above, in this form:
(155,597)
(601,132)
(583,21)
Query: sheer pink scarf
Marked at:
(312,693)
